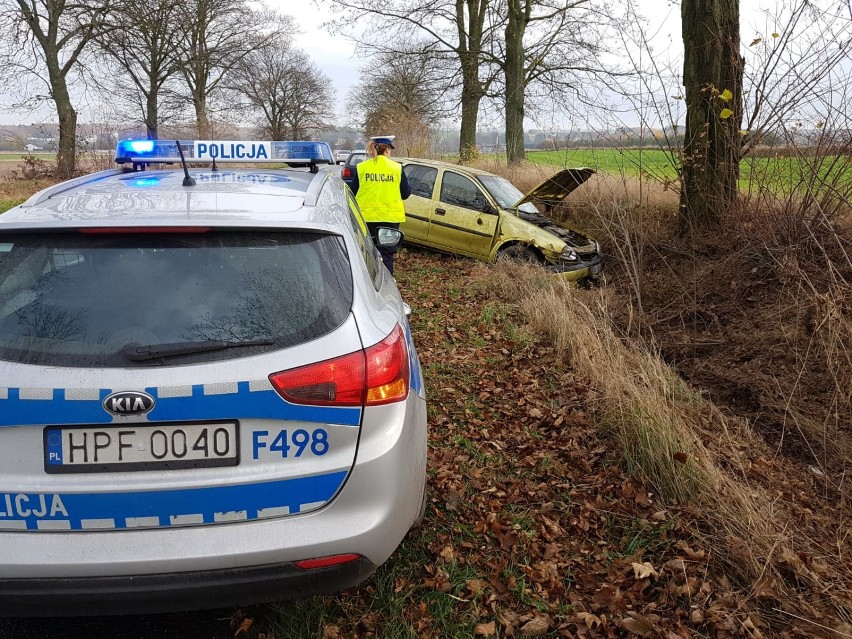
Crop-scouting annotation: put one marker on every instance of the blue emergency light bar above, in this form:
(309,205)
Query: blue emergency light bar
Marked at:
(208,151)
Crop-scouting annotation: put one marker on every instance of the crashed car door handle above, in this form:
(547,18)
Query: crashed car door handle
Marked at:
(440,211)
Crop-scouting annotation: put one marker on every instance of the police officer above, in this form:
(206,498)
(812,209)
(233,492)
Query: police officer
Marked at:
(380,186)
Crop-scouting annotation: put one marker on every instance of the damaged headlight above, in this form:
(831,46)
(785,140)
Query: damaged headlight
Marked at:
(568,255)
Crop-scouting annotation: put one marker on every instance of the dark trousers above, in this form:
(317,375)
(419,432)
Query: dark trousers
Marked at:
(386,252)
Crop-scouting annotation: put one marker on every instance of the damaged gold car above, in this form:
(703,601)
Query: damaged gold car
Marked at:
(467,211)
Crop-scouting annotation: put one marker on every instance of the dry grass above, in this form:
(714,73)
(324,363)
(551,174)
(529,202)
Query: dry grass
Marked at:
(679,443)
(603,190)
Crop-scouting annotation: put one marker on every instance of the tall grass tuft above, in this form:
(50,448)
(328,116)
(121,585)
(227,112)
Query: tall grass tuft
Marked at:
(671,437)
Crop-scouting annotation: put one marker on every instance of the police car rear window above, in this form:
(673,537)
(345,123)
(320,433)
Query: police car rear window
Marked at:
(141,299)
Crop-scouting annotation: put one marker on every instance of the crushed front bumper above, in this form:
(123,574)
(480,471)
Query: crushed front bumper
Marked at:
(588,267)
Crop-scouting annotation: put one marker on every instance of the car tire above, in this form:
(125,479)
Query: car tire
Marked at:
(520,254)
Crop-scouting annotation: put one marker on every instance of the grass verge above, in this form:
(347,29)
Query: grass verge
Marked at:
(693,455)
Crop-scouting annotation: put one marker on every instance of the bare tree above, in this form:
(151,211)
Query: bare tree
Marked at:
(798,61)
(143,43)
(458,31)
(218,35)
(45,40)
(402,95)
(285,89)
(545,41)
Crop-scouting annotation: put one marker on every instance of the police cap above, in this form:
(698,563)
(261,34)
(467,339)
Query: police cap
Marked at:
(384,139)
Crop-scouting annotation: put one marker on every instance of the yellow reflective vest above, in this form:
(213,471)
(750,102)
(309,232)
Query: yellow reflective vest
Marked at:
(378,194)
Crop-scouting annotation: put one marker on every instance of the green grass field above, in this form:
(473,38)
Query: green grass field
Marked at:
(6,156)
(653,162)
(782,174)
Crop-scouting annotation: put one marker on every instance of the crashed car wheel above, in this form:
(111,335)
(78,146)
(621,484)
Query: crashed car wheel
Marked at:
(520,254)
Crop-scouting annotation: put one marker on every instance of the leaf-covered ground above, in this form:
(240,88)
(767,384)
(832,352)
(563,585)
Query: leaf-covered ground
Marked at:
(533,526)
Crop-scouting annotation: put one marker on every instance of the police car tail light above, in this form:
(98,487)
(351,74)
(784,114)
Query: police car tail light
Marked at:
(347,172)
(333,382)
(387,370)
(378,375)
(326,562)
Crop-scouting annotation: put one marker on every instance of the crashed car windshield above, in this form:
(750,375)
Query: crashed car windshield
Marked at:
(506,193)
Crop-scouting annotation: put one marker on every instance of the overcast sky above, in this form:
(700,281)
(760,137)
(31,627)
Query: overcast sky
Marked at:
(335,55)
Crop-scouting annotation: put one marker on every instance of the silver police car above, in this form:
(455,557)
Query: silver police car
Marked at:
(209,392)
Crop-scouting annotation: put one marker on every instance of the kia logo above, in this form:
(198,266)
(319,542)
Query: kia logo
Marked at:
(128,403)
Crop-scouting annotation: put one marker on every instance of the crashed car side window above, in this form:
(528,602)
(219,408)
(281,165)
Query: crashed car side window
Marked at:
(460,191)
(421,179)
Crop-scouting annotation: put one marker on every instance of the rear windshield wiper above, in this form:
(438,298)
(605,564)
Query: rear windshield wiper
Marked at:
(137,353)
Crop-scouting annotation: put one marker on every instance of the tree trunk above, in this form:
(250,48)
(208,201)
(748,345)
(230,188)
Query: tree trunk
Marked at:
(152,113)
(712,77)
(470,97)
(202,118)
(514,74)
(66,156)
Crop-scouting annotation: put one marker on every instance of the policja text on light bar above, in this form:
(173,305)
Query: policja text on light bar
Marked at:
(196,151)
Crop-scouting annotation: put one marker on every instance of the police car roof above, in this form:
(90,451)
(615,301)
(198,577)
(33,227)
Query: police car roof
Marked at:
(228,197)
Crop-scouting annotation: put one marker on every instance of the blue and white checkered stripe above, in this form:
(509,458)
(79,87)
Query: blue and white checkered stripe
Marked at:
(166,508)
(229,400)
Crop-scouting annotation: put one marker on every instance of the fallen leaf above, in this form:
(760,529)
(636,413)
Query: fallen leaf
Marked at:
(535,627)
(244,626)
(644,570)
(485,629)
(476,586)
(590,620)
(639,625)
(330,631)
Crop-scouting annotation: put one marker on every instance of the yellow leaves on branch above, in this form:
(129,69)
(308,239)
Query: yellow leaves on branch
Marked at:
(725,113)
(726,95)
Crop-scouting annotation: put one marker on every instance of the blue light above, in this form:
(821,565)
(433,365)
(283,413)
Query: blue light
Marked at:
(142,146)
(144,182)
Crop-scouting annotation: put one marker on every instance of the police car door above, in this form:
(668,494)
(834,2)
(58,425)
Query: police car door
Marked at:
(462,220)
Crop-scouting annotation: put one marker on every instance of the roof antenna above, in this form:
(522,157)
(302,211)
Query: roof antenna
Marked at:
(187,180)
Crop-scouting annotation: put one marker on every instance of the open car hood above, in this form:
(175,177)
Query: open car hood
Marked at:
(555,188)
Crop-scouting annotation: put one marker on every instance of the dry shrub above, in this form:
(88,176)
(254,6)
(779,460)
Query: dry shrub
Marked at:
(675,440)
(34,168)
(801,255)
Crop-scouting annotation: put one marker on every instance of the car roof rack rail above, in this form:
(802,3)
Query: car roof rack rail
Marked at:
(56,189)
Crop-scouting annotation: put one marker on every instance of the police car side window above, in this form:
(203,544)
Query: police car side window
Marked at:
(368,250)
(460,191)
(421,179)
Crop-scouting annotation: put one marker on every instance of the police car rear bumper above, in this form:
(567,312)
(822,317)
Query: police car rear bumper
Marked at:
(369,517)
(140,594)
